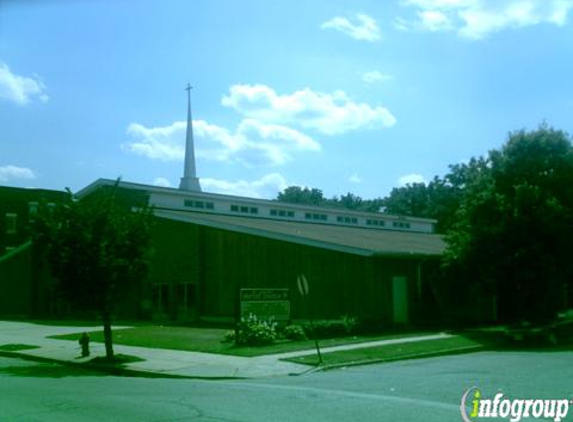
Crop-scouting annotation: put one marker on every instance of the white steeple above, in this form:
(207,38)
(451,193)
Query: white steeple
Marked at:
(189,181)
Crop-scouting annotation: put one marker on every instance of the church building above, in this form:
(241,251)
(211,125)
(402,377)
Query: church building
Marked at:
(209,246)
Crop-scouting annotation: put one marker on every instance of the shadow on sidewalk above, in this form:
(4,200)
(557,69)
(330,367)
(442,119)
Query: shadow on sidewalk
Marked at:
(48,370)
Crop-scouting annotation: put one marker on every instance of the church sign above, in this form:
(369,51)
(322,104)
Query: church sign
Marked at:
(266,304)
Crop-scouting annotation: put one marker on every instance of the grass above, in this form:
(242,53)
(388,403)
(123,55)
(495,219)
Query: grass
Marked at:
(391,352)
(208,340)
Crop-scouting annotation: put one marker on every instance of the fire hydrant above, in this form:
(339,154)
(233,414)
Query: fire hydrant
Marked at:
(85,343)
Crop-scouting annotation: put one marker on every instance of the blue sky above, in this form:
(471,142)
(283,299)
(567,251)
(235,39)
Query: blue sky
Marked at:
(357,97)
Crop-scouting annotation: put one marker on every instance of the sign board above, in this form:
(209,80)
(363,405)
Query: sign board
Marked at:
(266,304)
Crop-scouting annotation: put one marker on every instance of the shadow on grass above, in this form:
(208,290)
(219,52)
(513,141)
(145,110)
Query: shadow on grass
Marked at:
(497,340)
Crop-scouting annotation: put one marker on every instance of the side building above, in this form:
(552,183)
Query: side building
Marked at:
(26,288)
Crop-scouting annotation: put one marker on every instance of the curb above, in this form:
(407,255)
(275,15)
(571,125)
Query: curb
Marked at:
(452,352)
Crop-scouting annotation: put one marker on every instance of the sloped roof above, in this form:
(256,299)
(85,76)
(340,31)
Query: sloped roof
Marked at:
(355,240)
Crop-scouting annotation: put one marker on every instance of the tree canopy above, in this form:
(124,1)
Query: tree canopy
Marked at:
(301,195)
(96,248)
(513,230)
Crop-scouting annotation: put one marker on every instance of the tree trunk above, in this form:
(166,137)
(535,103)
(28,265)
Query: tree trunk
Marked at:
(106,317)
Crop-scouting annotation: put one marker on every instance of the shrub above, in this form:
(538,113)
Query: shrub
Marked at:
(324,328)
(229,337)
(255,332)
(294,332)
(328,328)
(350,323)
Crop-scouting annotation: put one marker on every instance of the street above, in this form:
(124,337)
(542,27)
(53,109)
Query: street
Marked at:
(417,390)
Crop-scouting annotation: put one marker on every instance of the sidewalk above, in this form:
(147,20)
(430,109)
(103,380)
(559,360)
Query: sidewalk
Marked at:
(162,361)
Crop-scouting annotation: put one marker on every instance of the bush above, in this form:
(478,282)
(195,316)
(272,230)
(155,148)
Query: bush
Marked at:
(229,337)
(350,323)
(255,332)
(327,328)
(294,332)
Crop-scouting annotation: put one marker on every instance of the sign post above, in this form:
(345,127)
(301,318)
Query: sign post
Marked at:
(303,289)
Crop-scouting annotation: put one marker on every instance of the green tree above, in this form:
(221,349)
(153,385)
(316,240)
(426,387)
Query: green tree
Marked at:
(351,202)
(300,195)
(96,247)
(439,199)
(514,227)
(412,200)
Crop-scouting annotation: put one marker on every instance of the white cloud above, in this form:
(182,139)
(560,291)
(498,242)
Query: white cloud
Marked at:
(272,131)
(355,178)
(162,181)
(410,179)
(11,172)
(434,20)
(165,143)
(330,114)
(266,187)
(376,76)
(365,30)
(476,19)
(20,89)
(253,143)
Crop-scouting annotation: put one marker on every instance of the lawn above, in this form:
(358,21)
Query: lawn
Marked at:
(391,352)
(209,340)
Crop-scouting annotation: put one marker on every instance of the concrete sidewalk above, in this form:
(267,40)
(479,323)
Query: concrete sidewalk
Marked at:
(163,361)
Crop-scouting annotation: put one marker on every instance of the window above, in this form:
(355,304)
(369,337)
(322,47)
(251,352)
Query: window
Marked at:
(186,295)
(282,213)
(198,204)
(32,211)
(11,223)
(321,217)
(161,293)
(376,223)
(347,220)
(243,209)
(401,225)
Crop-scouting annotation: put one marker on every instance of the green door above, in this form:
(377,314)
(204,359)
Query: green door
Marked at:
(400,299)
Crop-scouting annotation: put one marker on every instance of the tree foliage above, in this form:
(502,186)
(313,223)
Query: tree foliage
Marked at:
(315,197)
(514,227)
(300,195)
(97,247)
(438,199)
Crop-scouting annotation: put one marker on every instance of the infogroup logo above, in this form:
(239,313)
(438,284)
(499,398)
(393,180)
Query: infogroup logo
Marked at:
(474,407)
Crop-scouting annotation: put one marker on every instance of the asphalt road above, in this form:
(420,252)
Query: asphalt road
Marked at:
(419,390)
